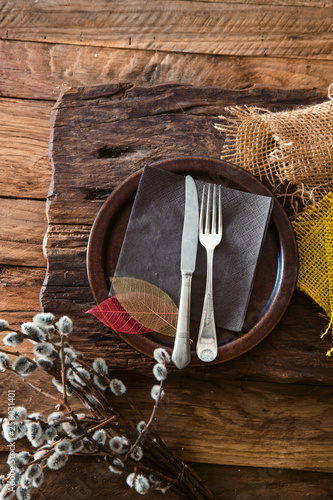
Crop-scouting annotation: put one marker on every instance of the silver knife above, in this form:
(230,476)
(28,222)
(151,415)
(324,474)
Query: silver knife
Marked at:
(181,355)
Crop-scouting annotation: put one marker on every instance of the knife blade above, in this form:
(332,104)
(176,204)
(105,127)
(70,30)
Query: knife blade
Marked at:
(181,355)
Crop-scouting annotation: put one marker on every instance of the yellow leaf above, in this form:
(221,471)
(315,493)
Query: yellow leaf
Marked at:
(147,304)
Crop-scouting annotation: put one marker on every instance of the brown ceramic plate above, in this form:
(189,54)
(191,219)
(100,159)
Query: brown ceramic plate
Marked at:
(276,272)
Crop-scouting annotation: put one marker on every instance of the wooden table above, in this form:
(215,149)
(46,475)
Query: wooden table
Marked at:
(267,415)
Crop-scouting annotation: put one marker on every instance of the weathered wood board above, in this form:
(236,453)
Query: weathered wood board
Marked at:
(101,135)
(40,70)
(248,28)
(278,42)
(84,480)
(285,424)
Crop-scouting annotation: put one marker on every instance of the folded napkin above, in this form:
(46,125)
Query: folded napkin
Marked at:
(152,245)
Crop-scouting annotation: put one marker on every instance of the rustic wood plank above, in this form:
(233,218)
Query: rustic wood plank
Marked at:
(293,352)
(25,170)
(19,295)
(23,224)
(41,70)
(144,125)
(241,423)
(239,29)
(81,479)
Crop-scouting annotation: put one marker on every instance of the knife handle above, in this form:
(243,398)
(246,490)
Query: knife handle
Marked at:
(181,355)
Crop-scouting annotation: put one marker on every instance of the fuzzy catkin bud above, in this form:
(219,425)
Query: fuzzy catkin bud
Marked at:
(99,436)
(81,376)
(65,325)
(160,372)
(45,350)
(9,432)
(59,386)
(50,433)
(99,366)
(4,361)
(34,431)
(33,471)
(156,392)
(42,452)
(117,387)
(6,493)
(35,416)
(141,427)
(36,443)
(161,355)
(44,364)
(117,467)
(64,446)
(137,454)
(70,355)
(24,456)
(44,318)
(37,481)
(3,324)
(57,460)
(20,413)
(100,382)
(32,330)
(25,481)
(116,444)
(13,339)
(23,493)
(130,479)
(23,366)
(76,447)
(141,484)
(53,418)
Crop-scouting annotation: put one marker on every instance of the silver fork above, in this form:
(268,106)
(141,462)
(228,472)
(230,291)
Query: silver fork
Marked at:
(210,235)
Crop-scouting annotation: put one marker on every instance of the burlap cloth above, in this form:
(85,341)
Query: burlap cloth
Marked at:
(293,150)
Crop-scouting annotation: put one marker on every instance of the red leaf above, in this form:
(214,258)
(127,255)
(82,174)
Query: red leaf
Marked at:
(112,314)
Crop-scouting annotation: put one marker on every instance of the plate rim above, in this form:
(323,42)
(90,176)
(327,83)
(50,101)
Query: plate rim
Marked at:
(233,173)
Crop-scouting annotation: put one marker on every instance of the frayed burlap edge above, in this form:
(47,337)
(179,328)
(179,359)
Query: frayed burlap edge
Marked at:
(293,150)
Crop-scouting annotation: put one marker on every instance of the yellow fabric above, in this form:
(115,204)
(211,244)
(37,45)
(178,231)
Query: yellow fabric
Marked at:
(314,234)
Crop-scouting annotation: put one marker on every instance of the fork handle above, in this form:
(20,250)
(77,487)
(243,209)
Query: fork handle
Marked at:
(207,342)
(181,355)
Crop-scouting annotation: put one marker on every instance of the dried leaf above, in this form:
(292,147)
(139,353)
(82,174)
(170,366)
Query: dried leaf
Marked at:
(112,314)
(147,304)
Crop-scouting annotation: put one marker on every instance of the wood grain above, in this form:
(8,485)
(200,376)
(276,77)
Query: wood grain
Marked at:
(239,29)
(81,480)
(286,43)
(25,170)
(23,224)
(256,424)
(143,125)
(20,287)
(40,70)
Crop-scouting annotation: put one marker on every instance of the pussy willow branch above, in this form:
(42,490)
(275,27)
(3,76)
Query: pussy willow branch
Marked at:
(41,391)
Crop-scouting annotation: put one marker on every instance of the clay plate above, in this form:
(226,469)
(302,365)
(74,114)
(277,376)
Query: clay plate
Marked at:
(277,267)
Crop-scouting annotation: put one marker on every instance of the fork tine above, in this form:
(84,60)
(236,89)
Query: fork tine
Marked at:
(220,212)
(214,229)
(207,224)
(201,221)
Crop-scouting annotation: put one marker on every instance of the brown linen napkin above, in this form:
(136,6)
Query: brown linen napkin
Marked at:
(152,245)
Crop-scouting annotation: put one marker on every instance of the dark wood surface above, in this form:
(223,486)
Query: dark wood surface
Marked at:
(247,399)
(279,394)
